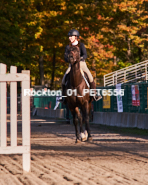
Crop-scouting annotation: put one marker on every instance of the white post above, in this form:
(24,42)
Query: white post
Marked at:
(116,77)
(124,76)
(26,123)
(113,80)
(13,108)
(3,110)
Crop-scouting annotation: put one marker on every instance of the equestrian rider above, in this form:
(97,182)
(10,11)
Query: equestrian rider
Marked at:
(73,38)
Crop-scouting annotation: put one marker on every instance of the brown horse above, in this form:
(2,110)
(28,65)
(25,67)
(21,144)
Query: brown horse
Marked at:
(76,99)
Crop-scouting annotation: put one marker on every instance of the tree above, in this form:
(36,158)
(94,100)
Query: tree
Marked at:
(17,33)
(114,32)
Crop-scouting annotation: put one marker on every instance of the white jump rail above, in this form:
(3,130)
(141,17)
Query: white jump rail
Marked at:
(134,72)
(13,77)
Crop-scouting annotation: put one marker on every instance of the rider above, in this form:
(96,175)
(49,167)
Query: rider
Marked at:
(74,40)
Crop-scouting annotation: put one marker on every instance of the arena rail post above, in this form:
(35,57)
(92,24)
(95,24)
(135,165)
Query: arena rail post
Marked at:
(26,122)
(3,127)
(13,109)
(13,77)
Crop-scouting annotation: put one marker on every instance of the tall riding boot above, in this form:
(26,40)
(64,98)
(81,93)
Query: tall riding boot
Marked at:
(93,86)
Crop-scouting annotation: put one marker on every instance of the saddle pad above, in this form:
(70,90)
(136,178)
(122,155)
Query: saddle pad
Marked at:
(83,74)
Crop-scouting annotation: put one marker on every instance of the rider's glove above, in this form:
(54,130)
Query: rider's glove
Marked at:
(81,59)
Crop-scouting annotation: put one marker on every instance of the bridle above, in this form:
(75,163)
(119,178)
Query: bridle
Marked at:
(74,56)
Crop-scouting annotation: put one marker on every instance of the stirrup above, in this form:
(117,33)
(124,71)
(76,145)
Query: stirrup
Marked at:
(62,100)
(97,97)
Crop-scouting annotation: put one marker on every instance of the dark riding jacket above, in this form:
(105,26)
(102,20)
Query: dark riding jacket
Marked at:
(83,53)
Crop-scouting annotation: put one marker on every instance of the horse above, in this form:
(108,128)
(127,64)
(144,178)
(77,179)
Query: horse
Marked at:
(76,86)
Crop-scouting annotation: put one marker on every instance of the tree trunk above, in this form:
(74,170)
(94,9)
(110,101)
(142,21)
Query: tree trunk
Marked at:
(41,69)
(129,47)
(140,54)
(53,68)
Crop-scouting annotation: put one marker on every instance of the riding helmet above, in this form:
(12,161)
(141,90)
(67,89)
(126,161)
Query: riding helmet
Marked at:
(73,32)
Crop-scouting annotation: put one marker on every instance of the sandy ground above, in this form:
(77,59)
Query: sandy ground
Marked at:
(56,159)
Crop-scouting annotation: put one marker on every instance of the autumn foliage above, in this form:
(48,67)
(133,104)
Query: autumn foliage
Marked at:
(115,34)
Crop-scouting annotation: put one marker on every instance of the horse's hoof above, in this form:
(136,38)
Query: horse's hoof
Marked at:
(78,141)
(84,136)
(83,139)
(90,139)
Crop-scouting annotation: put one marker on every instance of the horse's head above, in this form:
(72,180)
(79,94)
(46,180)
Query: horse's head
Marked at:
(74,55)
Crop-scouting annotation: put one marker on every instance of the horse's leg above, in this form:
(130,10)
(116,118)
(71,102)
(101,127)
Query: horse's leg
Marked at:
(85,110)
(83,137)
(90,113)
(75,122)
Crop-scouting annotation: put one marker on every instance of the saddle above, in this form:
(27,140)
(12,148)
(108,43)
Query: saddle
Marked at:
(84,74)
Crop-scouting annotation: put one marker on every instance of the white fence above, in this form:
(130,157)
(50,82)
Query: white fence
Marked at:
(134,73)
(13,77)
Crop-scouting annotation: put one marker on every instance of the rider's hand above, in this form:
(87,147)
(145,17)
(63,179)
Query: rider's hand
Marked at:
(81,59)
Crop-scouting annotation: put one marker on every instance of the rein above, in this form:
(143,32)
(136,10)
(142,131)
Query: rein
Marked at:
(75,73)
